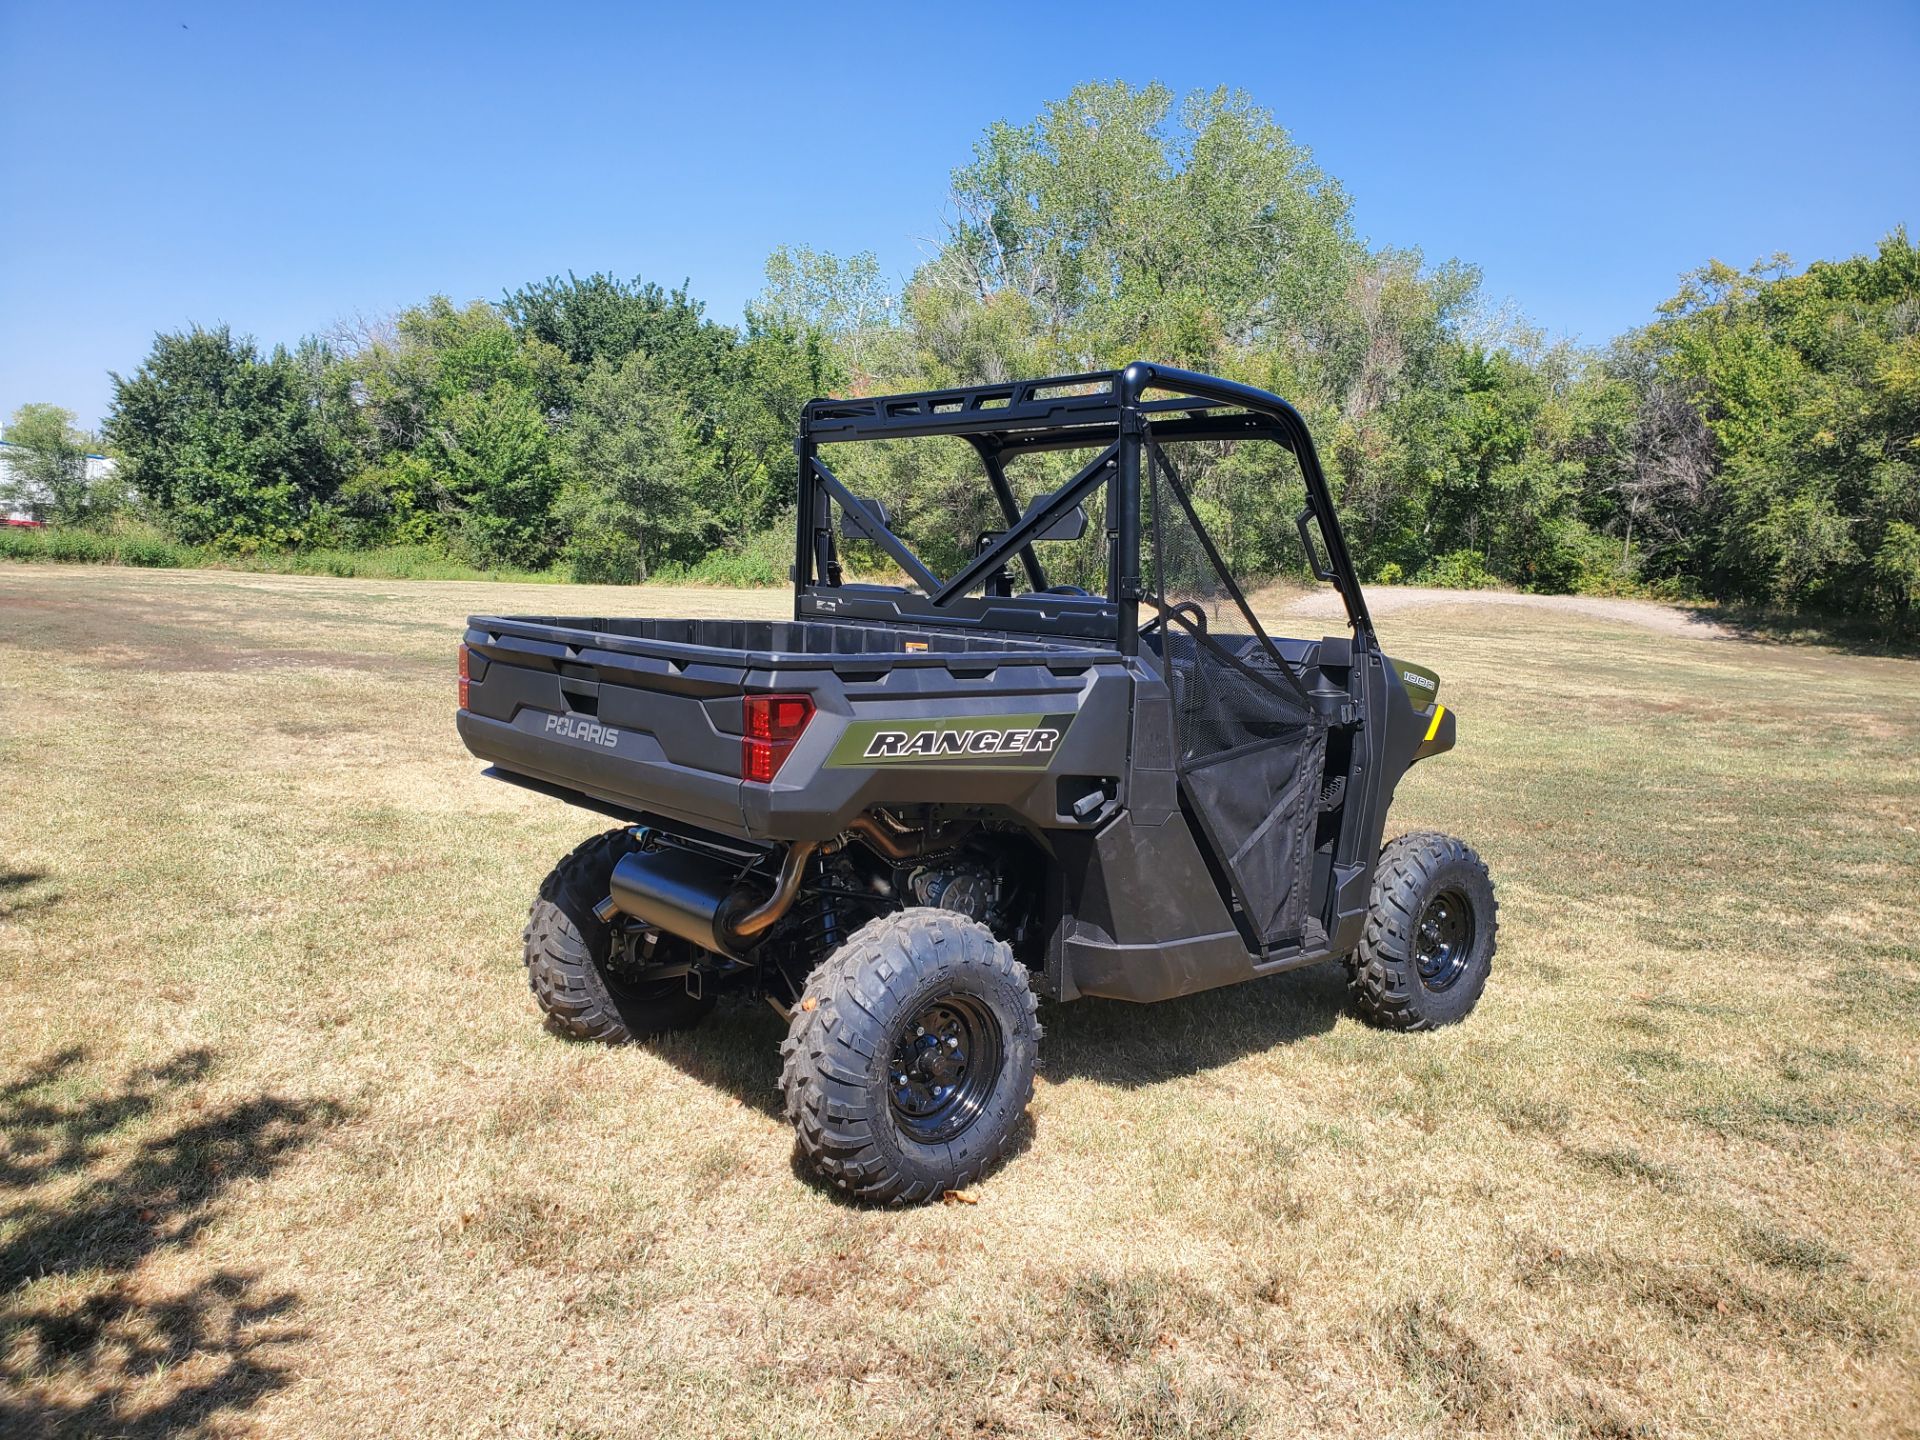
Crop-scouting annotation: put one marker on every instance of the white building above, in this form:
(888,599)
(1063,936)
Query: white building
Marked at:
(98,468)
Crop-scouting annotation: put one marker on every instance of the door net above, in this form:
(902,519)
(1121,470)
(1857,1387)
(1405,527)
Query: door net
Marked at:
(1250,747)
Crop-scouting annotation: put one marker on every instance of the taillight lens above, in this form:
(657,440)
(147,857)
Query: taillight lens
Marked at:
(465,678)
(774,725)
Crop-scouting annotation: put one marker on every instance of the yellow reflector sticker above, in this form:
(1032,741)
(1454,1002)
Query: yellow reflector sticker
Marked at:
(1434,728)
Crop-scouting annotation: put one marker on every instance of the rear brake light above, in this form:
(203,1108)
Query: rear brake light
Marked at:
(774,725)
(465,678)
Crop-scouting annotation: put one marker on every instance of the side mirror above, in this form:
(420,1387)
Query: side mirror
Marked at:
(1070,526)
(854,527)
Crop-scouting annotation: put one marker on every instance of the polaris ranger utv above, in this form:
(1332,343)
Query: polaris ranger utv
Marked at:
(912,809)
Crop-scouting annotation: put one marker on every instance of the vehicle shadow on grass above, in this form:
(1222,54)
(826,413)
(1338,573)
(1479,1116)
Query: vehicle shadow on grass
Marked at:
(1109,1042)
(92,1191)
(1021,1140)
(736,1050)
(1130,1046)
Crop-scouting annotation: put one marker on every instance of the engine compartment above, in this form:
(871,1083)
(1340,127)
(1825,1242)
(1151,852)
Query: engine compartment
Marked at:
(679,903)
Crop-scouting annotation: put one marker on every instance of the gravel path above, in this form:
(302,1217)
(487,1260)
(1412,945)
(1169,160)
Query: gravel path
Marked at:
(1389,599)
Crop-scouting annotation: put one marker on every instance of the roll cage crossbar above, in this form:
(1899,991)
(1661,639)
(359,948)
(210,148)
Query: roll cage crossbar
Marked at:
(1108,411)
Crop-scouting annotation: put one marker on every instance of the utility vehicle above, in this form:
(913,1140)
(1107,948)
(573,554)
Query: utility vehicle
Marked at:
(908,812)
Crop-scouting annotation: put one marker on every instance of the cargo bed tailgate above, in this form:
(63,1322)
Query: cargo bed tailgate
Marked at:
(646,717)
(649,724)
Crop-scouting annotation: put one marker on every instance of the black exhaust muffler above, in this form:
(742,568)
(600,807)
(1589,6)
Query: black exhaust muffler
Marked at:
(700,897)
(678,891)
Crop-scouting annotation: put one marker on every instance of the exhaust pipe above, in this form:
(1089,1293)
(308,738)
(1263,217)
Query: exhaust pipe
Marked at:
(745,928)
(890,840)
(698,898)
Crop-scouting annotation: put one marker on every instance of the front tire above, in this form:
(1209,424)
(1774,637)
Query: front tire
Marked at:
(911,1057)
(1428,946)
(571,963)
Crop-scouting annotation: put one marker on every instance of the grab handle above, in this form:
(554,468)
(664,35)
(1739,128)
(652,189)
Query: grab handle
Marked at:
(1314,561)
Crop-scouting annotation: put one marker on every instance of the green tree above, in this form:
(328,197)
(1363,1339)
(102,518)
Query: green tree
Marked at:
(435,353)
(452,405)
(1122,224)
(845,303)
(774,370)
(221,442)
(502,471)
(1128,230)
(45,471)
(639,487)
(604,318)
(1805,387)
(740,391)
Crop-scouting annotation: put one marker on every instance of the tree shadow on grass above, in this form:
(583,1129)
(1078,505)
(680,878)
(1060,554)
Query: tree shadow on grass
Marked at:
(13,902)
(1849,634)
(90,1342)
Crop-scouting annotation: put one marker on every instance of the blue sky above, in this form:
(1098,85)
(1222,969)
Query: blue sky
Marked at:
(278,167)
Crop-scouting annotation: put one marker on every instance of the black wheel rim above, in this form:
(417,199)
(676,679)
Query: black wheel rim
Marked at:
(1443,940)
(945,1061)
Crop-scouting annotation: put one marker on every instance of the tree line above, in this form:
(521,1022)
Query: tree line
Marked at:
(1757,441)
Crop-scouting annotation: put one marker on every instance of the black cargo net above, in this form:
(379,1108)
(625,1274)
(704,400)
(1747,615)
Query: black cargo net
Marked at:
(1224,701)
(1251,748)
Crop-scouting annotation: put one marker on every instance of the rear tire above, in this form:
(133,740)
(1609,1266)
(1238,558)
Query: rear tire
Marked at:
(1428,946)
(911,1057)
(569,954)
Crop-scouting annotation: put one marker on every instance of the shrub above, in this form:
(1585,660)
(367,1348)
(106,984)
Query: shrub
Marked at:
(602,557)
(765,558)
(153,553)
(127,543)
(392,504)
(133,542)
(79,547)
(1567,558)
(1458,570)
(16,544)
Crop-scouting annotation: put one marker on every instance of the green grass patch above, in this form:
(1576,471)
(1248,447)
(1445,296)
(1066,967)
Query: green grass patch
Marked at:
(283,1106)
(145,548)
(761,560)
(393,562)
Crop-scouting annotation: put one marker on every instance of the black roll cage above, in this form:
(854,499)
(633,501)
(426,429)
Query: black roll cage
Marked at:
(1107,409)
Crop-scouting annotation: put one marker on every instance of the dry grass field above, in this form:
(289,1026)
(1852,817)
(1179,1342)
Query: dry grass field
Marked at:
(287,1151)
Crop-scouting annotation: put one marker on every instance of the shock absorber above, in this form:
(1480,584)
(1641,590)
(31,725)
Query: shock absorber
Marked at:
(820,934)
(812,931)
